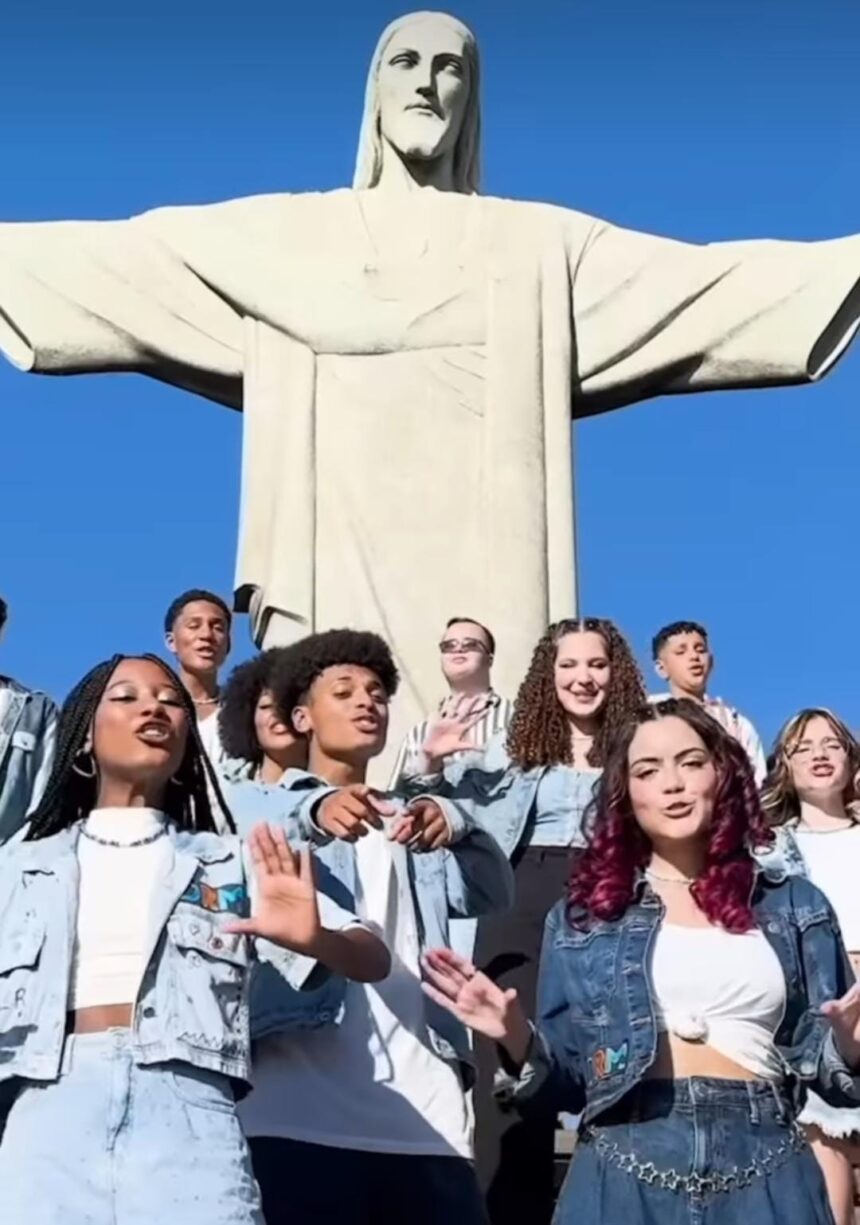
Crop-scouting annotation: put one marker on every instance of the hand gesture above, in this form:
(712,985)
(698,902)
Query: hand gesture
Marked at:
(348,812)
(286,910)
(473,998)
(844,1018)
(449,731)
(422,826)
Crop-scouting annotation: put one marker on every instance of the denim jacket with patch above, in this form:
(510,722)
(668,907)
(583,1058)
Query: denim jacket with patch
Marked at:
(596,1033)
(28,731)
(192,1003)
(471,878)
(503,797)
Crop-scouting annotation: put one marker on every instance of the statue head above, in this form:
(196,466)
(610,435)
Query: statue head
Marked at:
(422,99)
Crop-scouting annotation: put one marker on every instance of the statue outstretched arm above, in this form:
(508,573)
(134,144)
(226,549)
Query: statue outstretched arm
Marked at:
(94,296)
(655,316)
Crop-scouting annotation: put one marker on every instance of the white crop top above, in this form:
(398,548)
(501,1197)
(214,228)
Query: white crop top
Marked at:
(114,899)
(724,990)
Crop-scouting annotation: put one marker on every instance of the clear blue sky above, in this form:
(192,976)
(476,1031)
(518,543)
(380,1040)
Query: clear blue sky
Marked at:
(703,122)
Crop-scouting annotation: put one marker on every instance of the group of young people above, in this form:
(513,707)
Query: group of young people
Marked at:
(240,984)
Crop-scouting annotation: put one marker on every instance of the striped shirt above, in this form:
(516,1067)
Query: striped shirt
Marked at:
(495,719)
(737,725)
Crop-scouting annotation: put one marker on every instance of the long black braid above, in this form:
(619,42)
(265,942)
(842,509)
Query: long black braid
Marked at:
(69,796)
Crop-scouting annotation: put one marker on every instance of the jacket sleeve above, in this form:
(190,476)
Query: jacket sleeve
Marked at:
(46,748)
(478,876)
(552,1075)
(827,975)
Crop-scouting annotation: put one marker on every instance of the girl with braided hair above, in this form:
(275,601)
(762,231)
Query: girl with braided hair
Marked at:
(530,789)
(128,932)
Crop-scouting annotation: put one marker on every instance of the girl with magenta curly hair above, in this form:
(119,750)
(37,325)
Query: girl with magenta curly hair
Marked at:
(530,788)
(688,997)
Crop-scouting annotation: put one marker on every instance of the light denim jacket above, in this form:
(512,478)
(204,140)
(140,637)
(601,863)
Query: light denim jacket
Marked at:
(28,733)
(275,1006)
(192,1004)
(471,878)
(596,1034)
(504,798)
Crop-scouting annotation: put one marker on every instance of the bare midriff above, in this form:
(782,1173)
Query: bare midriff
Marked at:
(678,1059)
(99,1018)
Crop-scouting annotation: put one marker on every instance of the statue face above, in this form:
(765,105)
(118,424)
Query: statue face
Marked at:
(423,87)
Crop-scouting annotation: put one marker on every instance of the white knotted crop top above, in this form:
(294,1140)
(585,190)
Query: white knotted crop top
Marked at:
(120,866)
(724,990)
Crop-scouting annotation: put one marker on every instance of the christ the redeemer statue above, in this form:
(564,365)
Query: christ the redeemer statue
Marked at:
(408,355)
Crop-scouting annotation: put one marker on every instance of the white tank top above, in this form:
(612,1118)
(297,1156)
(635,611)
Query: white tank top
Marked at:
(724,990)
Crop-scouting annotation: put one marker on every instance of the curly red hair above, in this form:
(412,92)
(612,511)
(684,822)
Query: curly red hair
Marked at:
(604,876)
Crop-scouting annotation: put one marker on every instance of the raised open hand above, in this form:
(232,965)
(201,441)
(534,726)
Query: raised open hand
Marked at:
(454,983)
(449,731)
(286,910)
(844,1017)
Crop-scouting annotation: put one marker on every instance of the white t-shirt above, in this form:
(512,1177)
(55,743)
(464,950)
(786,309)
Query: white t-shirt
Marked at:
(214,750)
(832,861)
(371,1083)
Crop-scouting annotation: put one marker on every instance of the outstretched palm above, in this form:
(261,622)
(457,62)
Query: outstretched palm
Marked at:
(286,909)
(454,983)
(449,731)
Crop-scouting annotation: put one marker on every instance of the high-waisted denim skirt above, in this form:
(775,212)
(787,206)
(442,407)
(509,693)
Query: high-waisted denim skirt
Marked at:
(695,1152)
(112,1143)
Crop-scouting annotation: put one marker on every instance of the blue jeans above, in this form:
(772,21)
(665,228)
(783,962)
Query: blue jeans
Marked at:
(112,1143)
(695,1152)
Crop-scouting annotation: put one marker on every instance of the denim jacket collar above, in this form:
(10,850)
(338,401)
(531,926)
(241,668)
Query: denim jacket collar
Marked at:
(196,847)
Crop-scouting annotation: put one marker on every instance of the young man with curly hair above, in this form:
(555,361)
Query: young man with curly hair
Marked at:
(683,657)
(362,1115)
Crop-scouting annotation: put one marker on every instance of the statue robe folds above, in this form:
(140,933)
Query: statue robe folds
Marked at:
(408,395)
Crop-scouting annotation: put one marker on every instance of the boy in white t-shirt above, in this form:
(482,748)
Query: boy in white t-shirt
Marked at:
(197,631)
(363,1119)
(683,657)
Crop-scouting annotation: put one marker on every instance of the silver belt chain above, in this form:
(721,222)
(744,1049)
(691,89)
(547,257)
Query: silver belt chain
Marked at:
(696,1184)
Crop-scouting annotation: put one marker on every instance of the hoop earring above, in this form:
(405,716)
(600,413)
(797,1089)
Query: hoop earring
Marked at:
(84,765)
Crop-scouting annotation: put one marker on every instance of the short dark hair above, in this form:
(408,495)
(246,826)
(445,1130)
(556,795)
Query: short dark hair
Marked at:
(304,661)
(239,703)
(491,642)
(190,597)
(669,631)
(4,612)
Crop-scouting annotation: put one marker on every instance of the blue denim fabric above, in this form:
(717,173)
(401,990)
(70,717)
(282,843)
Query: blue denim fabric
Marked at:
(114,1143)
(192,1004)
(701,1127)
(545,805)
(27,742)
(596,1035)
(470,878)
(275,1006)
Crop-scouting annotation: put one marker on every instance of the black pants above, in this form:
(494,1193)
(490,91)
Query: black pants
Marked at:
(314,1184)
(515,1155)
